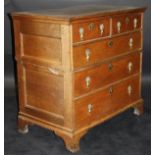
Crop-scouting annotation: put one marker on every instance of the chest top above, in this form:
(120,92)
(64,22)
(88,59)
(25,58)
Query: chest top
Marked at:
(73,13)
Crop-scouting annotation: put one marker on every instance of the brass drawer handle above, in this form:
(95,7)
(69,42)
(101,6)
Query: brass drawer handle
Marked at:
(119,26)
(101,29)
(87,54)
(130,66)
(127,20)
(90,108)
(91,26)
(129,90)
(135,22)
(110,90)
(88,81)
(110,67)
(110,43)
(81,31)
(131,42)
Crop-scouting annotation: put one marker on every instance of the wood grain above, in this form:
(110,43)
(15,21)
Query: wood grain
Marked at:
(100,50)
(40,28)
(101,75)
(104,104)
(43,48)
(91,34)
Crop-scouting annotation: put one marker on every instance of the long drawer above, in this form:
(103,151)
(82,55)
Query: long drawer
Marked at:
(97,51)
(103,103)
(101,75)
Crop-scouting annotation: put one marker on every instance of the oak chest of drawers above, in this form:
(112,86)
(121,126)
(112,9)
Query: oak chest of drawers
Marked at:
(77,67)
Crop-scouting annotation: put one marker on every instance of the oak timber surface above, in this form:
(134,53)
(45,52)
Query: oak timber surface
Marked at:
(96,57)
(71,13)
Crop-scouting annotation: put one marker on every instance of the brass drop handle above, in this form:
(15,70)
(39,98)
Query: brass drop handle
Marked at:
(119,26)
(129,90)
(91,26)
(135,22)
(127,20)
(81,31)
(110,43)
(90,108)
(110,67)
(110,90)
(87,54)
(88,81)
(101,29)
(130,66)
(131,42)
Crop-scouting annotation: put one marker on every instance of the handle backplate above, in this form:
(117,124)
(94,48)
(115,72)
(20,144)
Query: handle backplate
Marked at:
(129,90)
(87,54)
(88,81)
(101,29)
(81,31)
(90,108)
(119,26)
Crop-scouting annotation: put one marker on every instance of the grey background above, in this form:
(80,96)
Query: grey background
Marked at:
(122,135)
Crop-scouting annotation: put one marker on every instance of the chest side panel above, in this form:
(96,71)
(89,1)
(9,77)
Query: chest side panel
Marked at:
(40,72)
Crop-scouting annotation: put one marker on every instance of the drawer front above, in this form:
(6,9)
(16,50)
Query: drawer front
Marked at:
(97,51)
(101,75)
(91,29)
(124,23)
(101,104)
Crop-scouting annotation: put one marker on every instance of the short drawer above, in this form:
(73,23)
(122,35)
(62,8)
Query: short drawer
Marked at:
(91,29)
(96,107)
(91,53)
(124,23)
(101,75)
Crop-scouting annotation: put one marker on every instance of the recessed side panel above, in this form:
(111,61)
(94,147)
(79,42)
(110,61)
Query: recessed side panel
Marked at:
(43,94)
(42,48)
(40,28)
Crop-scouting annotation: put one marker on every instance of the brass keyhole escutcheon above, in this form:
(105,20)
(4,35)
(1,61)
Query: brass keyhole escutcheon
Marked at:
(110,67)
(110,90)
(91,26)
(110,43)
